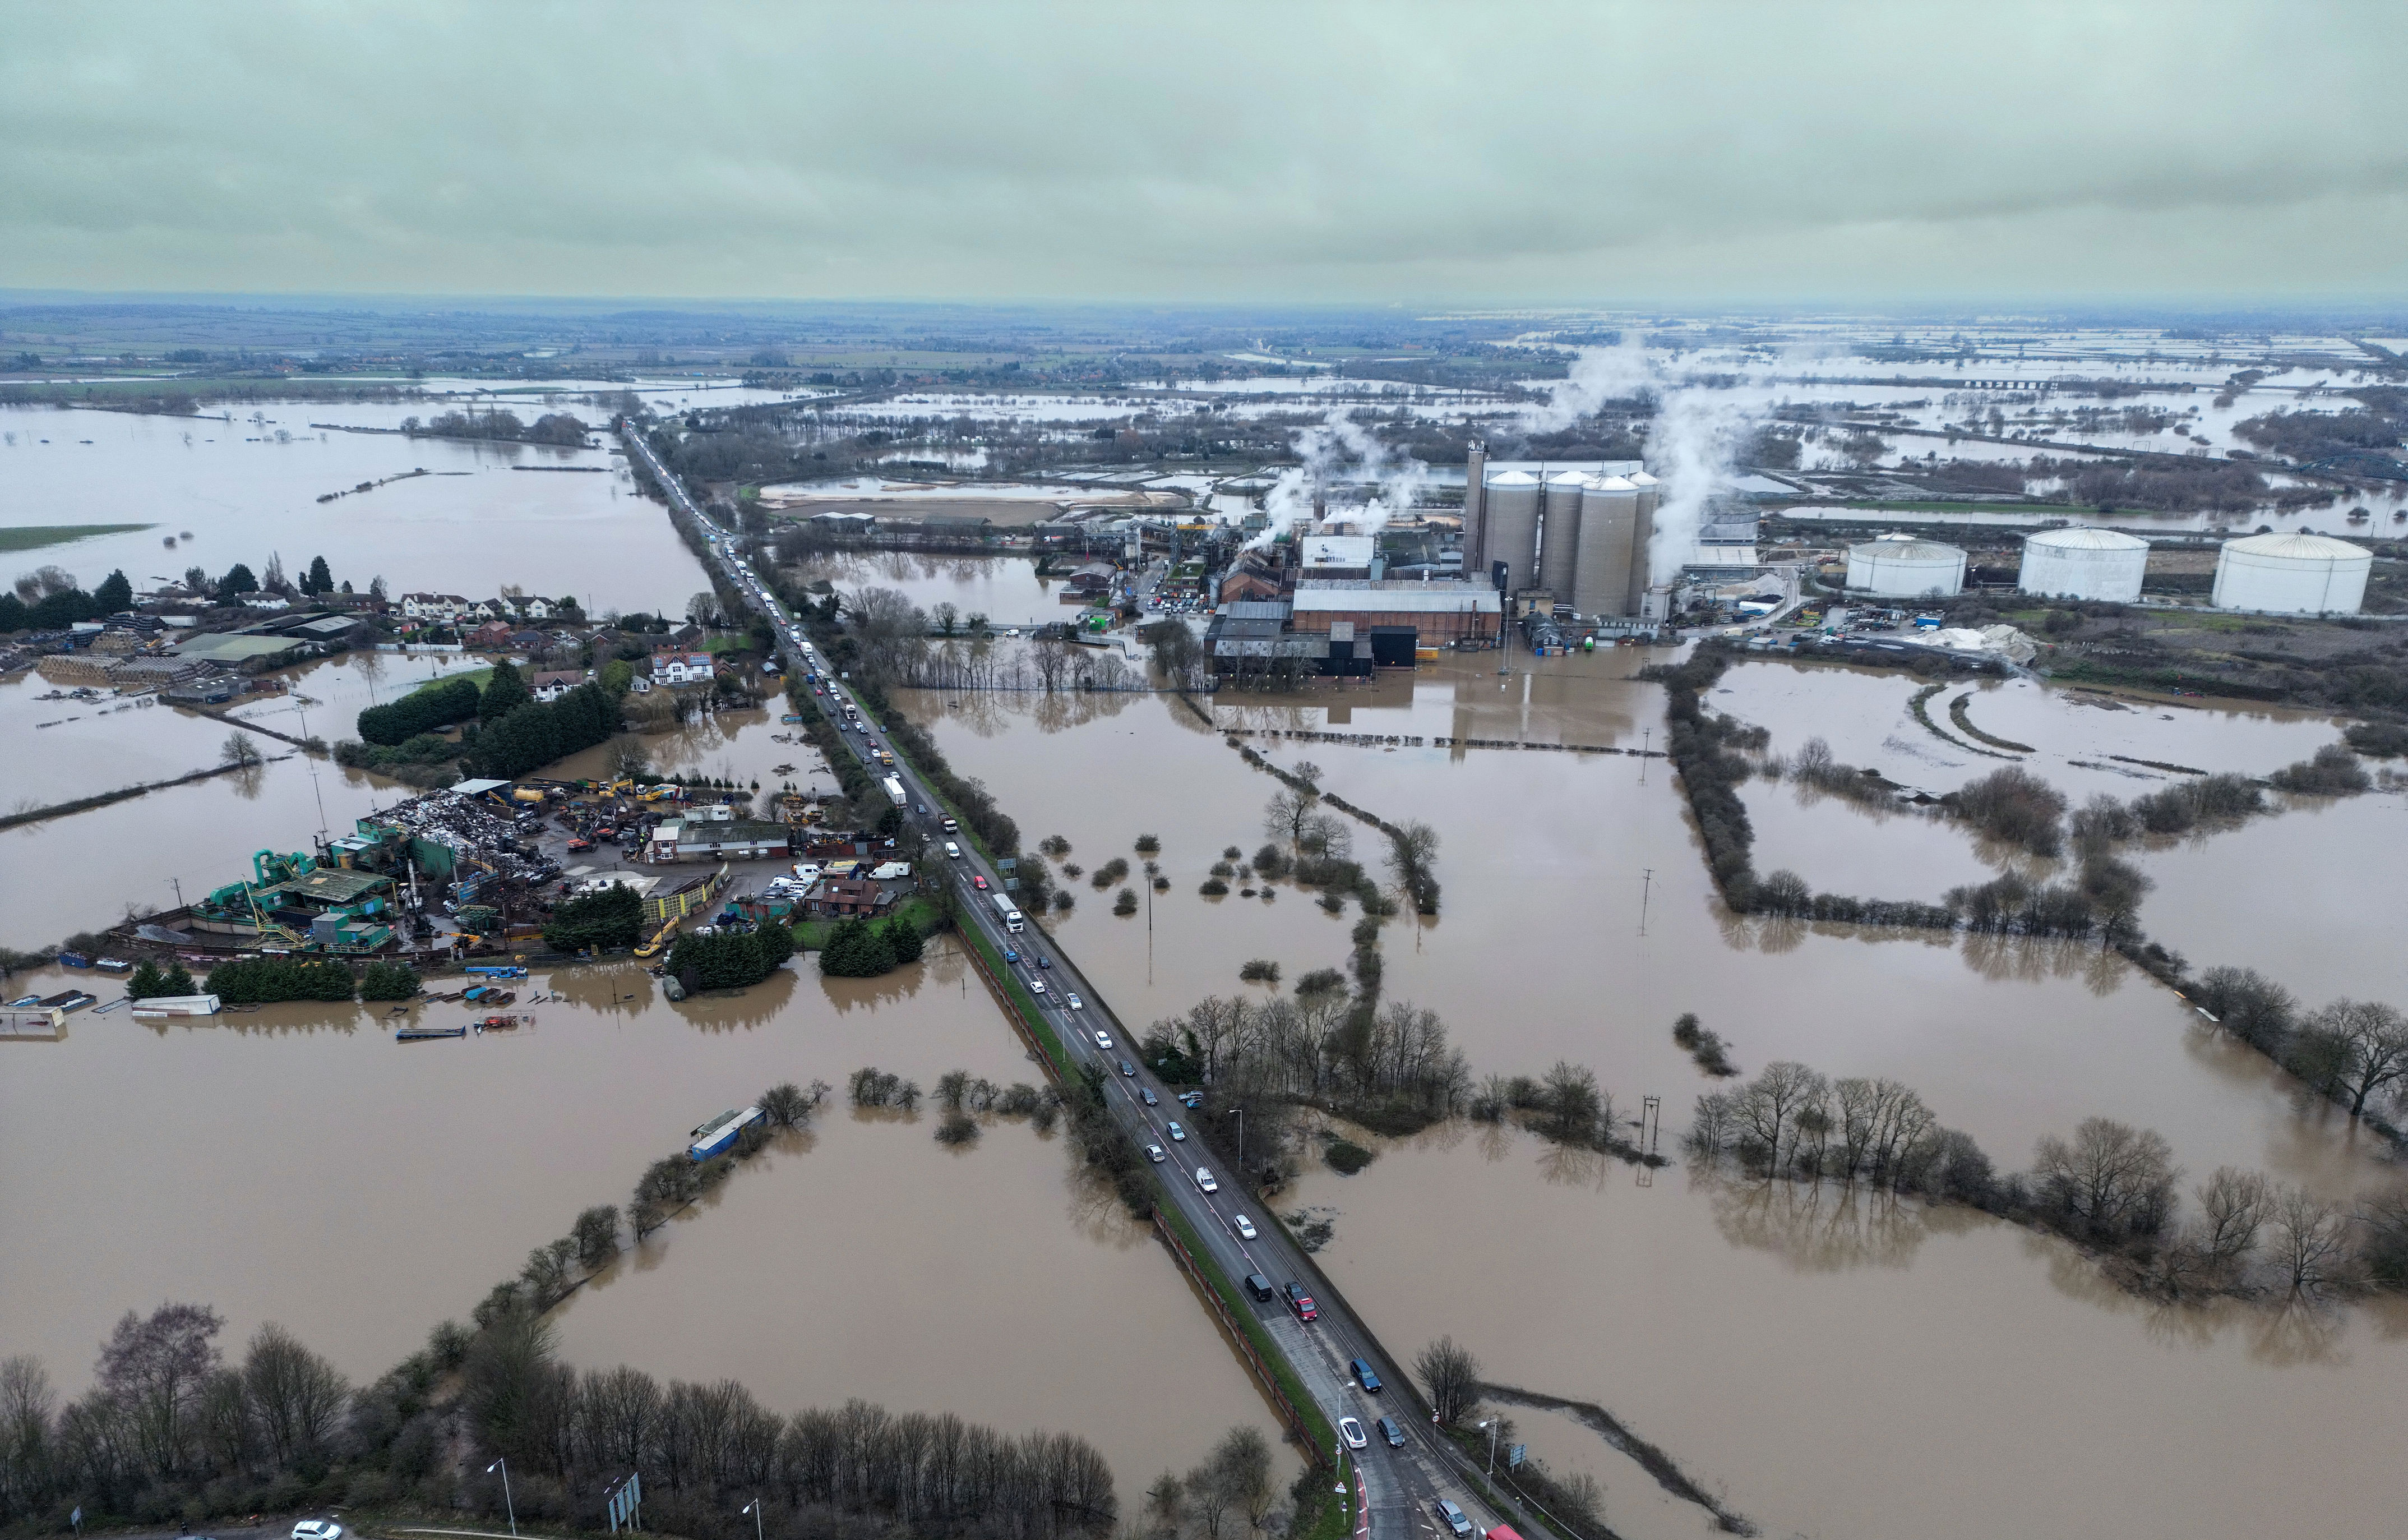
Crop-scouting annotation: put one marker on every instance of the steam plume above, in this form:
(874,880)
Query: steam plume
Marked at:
(1336,444)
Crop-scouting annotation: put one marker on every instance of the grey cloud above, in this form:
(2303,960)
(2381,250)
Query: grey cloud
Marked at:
(1341,151)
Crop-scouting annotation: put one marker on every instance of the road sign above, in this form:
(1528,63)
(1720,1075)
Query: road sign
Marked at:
(626,1502)
(1514,1456)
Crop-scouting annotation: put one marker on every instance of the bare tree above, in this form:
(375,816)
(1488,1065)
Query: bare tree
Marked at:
(1285,814)
(238,749)
(1766,1106)
(2371,1046)
(153,1368)
(1241,1465)
(296,1397)
(2112,1176)
(1450,1378)
(2234,1206)
(2311,1241)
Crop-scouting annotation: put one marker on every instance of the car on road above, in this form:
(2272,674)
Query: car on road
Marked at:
(1389,1432)
(1259,1287)
(1204,1179)
(1076,1003)
(1145,1094)
(1044,961)
(1300,1302)
(1037,985)
(1155,1153)
(1011,955)
(1244,1227)
(1450,1517)
(920,808)
(1103,1040)
(978,883)
(1351,1432)
(1175,1131)
(1364,1377)
(1128,1069)
(317,1528)
(952,851)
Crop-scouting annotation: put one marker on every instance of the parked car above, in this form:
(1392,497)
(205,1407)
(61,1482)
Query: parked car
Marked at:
(1364,1377)
(317,1528)
(1259,1287)
(1451,1518)
(1244,1227)
(1351,1432)
(1300,1302)
(1175,1131)
(1389,1432)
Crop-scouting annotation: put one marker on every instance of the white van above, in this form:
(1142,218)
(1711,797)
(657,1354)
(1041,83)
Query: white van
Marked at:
(1204,1179)
(952,851)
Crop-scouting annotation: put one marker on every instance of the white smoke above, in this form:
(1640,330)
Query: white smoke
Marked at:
(1336,447)
(1693,443)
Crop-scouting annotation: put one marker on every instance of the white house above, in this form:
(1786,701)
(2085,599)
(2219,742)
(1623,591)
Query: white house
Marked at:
(443,608)
(682,669)
(552,683)
(534,607)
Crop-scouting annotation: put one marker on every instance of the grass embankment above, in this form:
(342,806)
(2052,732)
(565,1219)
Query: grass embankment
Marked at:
(33,537)
(1017,994)
(1958,715)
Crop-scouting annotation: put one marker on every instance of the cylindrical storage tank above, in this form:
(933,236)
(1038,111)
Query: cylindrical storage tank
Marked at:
(1609,523)
(1905,569)
(2083,564)
(1643,537)
(2292,575)
(1510,508)
(1559,539)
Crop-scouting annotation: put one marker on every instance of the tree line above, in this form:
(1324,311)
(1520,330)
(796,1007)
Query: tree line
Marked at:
(264,981)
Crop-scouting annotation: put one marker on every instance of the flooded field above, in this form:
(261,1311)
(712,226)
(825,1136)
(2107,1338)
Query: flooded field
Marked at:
(359,1190)
(1846,1367)
(1551,863)
(1004,589)
(244,495)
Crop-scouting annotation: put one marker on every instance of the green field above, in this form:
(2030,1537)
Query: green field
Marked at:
(33,537)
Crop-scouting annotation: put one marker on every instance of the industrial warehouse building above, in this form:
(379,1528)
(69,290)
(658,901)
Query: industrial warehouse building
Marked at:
(1582,539)
(1438,613)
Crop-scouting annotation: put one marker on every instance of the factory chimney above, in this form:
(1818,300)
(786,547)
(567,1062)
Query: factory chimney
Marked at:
(1475,500)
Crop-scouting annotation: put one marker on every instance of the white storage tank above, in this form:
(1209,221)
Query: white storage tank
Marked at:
(1609,526)
(2083,564)
(2292,575)
(1902,567)
(1559,542)
(1510,515)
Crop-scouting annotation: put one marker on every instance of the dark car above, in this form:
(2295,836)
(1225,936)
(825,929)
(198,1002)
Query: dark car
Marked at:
(1145,1094)
(1364,1377)
(1387,1429)
(1127,1068)
(1300,1301)
(1044,961)
(1259,1287)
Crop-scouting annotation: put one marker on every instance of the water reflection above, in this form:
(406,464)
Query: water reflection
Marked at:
(1816,1226)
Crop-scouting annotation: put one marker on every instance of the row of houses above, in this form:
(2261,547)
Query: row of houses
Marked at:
(453,609)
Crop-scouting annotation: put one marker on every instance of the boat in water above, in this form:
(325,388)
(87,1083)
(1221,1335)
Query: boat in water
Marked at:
(113,965)
(421,1034)
(718,1136)
(177,1005)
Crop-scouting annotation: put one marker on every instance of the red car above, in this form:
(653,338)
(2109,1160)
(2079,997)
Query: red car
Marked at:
(1300,1302)
(978,883)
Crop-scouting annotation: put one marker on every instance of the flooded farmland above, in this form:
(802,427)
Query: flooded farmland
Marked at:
(1841,1366)
(358,1191)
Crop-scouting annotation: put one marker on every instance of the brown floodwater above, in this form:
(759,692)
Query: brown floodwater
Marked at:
(1551,862)
(472,526)
(1844,1366)
(1004,589)
(298,1165)
(743,746)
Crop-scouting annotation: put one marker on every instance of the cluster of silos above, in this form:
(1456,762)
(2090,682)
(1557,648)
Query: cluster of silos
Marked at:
(2292,575)
(1583,539)
(1901,566)
(2085,563)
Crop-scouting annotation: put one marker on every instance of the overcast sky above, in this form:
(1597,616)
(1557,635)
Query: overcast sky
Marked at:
(1428,155)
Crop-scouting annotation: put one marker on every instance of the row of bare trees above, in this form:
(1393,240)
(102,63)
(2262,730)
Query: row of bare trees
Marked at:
(1317,1045)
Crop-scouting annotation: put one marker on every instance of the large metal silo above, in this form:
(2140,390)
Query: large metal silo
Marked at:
(1559,538)
(1510,515)
(2085,563)
(1642,535)
(1475,471)
(2292,575)
(1609,522)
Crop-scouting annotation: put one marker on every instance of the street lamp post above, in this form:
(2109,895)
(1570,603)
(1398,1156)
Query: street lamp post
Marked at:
(503,1465)
(753,1508)
(1491,1426)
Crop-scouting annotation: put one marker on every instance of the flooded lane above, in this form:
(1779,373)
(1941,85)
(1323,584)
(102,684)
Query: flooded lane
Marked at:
(298,1165)
(1847,1368)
